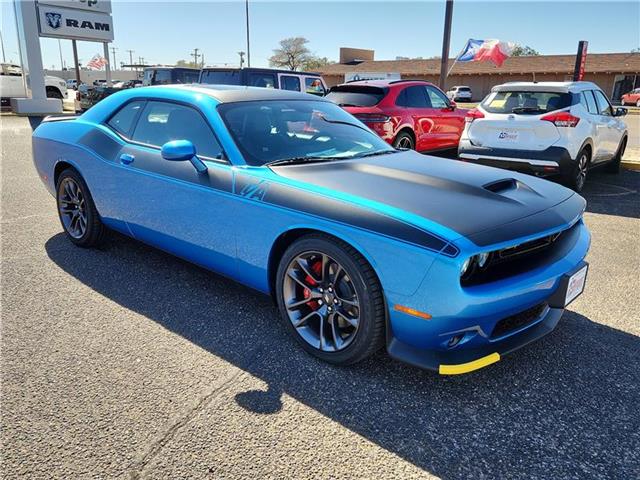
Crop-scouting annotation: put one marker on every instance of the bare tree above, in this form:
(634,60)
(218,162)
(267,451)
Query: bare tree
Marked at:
(292,54)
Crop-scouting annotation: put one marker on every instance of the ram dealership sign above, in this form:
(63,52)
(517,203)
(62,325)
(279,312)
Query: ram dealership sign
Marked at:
(357,76)
(80,20)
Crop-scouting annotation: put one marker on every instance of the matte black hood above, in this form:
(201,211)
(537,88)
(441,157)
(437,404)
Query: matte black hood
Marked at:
(485,204)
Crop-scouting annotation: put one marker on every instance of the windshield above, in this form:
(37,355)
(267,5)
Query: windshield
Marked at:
(267,131)
(523,102)
(355,95)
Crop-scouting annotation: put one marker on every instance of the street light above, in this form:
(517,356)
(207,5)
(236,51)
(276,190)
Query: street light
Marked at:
(446,40)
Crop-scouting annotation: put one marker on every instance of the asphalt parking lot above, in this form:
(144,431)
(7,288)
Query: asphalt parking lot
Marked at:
(125,362)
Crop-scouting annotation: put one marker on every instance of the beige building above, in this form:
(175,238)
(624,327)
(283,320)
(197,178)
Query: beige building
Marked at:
(615,73)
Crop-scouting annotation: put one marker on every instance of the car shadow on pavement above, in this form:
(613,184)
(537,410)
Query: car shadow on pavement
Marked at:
(613,194)
(564,407)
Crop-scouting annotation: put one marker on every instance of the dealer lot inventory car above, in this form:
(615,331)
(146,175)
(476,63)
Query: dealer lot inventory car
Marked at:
(406,113)
(450,264)
(265,77)
(547,129)
(460,93)
(631,98)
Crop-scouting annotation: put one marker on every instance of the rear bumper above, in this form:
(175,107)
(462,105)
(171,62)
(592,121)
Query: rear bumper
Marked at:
(551,161)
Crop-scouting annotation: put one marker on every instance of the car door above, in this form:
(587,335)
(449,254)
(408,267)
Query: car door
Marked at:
(169,204)
(611,131)
(414,101)
(449,123)
(290,82)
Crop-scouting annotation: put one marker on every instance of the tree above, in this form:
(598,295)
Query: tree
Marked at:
(524,51)
(292,54)
(185,63)
(316,63)
(635,50)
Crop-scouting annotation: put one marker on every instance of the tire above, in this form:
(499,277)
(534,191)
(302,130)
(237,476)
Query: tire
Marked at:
(614,165)
(74,201)
(54,93)
(577,177)
(319,276)
(404,140)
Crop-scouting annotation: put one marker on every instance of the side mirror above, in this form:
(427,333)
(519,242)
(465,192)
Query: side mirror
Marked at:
(452,105)
(620,112)
(181,150)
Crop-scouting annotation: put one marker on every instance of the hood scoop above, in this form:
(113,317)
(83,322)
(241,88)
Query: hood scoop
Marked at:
(500,186)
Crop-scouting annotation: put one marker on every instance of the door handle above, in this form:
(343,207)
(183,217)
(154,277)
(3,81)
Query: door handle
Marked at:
(126,159)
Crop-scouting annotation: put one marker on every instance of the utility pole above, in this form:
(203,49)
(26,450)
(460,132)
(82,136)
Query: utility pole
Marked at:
(246,7)
(202,61)
(195,56)
(59,51)
(113,51)
(75,61)
(241,58)
(446,40)
(130,57)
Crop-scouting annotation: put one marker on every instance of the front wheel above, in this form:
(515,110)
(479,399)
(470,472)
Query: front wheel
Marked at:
(330,300)
(614,165)
(76,210)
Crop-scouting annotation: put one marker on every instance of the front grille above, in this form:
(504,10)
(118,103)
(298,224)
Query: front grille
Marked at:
(518,320)
(528,247)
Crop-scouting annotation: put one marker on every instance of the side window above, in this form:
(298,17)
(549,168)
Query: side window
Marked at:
(266,80)
(162,77)
(161,122)
(591,103)
(583,101)
(314,86)
(604,108)
(187,76)
(437,98)
(413,97)
(123,121)
(288,82)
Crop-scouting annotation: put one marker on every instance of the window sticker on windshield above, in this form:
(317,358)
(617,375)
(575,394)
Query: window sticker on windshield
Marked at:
(497,103)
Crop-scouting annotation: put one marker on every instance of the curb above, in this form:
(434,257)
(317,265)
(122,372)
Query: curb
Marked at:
(630,165)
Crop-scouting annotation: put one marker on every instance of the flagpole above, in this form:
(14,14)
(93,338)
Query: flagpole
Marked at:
(457,56)
(107,66)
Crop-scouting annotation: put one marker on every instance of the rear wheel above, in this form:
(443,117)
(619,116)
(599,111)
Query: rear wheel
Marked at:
(76,210)
(404,140)
(614,165)
(576,179)
(330,300)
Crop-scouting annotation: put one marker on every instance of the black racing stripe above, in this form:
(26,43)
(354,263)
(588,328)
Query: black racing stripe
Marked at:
(348,214)
(101,143)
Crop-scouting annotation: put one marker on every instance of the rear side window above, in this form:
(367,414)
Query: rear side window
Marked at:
(228,77)
(523,102)
(603,104)
(161,122)
(162,77)
(123,121)
(288,82)
(266,80)
(187,76)
(413,97)
(356,95)
(587,97)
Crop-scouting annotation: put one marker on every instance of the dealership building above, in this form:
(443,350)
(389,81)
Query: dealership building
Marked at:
(615,73)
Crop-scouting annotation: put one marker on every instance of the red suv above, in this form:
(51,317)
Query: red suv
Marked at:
(406,113)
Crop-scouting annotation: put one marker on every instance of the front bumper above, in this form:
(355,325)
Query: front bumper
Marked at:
(548,162)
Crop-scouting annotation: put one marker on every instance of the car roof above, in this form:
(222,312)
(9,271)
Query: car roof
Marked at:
(385,83)
(258,69)
(546,86)
(233,93)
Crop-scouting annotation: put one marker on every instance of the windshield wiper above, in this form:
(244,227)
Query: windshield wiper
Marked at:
(347,105)
(294,160)
(379,152)
(342,122)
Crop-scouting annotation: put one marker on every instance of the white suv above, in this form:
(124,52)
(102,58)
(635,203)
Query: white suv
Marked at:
(546,129)
(460,93)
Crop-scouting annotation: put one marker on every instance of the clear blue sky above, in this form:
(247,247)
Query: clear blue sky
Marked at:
(164,32)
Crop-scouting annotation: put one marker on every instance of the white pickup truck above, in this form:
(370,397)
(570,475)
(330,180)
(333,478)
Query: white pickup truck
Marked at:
(12,84)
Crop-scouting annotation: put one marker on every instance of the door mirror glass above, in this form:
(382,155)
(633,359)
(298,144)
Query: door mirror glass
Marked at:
(178,150)
(621,112)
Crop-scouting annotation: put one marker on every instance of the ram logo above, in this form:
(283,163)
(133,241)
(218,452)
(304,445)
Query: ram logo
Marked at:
(54,20)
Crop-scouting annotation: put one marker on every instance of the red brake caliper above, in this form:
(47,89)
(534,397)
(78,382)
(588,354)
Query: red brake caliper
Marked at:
(316,268)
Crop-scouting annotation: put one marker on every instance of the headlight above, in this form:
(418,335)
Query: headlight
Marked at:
(465,266)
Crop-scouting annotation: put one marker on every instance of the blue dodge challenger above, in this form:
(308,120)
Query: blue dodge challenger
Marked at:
(450,265)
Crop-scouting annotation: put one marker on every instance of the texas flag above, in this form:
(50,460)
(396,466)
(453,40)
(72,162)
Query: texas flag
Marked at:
(486,51)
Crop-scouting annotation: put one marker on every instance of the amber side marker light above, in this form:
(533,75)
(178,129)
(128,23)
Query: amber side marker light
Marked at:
(411,311)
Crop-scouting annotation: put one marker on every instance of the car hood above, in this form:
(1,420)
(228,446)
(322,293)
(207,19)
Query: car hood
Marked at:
(485,204)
